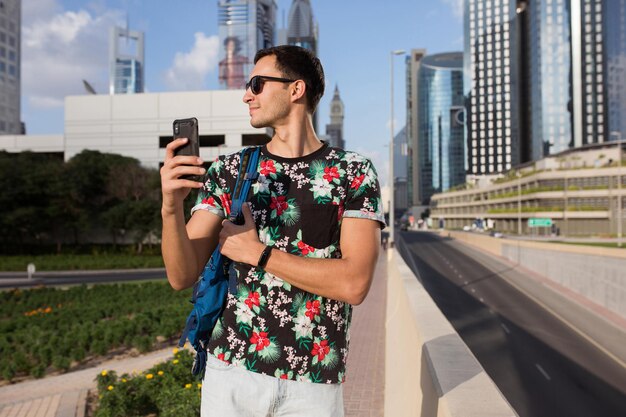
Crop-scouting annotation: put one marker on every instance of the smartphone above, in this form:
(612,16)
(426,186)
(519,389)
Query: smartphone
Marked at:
(187,128)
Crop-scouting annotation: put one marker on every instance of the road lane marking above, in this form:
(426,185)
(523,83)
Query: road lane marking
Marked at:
(481,300)
(506,329)
(473,290)
(544,373)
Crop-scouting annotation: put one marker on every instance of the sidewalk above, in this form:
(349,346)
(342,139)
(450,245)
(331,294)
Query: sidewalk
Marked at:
(65,395)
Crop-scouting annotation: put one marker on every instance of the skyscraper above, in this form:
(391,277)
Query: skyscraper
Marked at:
(245,26)
(126,60)
(302,29)
(334,130)
(10,58)
(440,123)
(494,83)
(413,64)
(546,77)
(550,77)
(599,70)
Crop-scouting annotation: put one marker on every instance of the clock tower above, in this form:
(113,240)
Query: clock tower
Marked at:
(334,130)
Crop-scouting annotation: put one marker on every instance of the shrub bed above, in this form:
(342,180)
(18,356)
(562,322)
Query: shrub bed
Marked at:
(49,329)
(166,390)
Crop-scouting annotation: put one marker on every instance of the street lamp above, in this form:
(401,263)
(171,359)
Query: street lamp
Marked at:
(619,186)
(519,203)
(391,178)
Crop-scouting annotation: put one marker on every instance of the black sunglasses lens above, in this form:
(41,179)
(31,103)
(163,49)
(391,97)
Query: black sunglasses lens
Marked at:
(255,84)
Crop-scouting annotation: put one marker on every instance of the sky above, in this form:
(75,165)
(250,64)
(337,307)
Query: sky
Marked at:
(66,41)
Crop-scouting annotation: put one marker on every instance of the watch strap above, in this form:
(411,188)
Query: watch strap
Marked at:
(265,256)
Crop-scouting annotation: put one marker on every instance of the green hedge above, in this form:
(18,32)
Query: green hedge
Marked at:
(48,329)
(80,262)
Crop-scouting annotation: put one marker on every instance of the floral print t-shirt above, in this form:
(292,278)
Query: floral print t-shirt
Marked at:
(270,326)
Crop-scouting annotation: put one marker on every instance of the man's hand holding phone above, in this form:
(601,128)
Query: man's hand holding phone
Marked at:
(174,187)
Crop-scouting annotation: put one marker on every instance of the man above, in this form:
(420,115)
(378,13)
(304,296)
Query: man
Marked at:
(304,256)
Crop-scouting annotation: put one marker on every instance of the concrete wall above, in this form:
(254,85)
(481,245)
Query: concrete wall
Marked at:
(595,273)
(429,371)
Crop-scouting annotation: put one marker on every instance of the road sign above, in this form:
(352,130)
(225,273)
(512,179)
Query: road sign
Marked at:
(539,222)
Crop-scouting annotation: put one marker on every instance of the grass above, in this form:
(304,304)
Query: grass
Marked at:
(67,262)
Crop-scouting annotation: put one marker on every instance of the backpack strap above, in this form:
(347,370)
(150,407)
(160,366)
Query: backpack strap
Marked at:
(247,174)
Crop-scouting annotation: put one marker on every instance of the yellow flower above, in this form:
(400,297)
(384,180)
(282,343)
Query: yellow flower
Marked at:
(188,386)
(149,376)
(175,361)
(110,387)
(104,373)
(199,385)
(123,379)
(160,373)
(175,351)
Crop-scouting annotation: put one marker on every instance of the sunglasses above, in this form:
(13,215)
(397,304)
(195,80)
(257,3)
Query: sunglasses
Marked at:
(256,83)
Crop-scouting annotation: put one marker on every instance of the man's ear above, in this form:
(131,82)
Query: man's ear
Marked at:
(298,90)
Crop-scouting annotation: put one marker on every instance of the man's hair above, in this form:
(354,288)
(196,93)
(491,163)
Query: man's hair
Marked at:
(299,63)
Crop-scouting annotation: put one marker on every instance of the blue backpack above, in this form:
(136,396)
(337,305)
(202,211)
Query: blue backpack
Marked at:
(209,293)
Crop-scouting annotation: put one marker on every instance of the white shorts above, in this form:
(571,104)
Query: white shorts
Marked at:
(231,391)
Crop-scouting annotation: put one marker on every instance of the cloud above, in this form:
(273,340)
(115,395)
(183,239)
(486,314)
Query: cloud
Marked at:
(456,6)
(189,70)
(60,49)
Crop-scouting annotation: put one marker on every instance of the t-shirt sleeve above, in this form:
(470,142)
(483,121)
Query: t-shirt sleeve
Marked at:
(215,194)
(363,197)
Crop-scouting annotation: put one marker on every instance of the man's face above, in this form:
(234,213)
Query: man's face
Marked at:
(270,106)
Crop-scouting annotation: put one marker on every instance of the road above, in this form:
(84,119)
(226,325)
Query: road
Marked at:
(544,367)
(12,280)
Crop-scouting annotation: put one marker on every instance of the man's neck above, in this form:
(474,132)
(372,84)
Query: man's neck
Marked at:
(294,140)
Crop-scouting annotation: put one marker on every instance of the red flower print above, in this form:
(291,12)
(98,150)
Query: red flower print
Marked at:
(330,173)
(260,340)
(284,376)
(320,350)
(210,201)
(267,167)
(356,182)
(226,202)
(252,300)
(305,249)
(221,356)
(312,309)
(279,204)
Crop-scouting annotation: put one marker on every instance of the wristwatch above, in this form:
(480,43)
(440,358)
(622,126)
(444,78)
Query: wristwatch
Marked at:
(265,256)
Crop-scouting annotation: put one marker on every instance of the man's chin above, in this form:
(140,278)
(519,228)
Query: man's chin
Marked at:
(257,123)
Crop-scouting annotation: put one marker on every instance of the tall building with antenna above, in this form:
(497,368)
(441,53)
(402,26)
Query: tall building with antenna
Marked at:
(10,57)
(245,26)
(126,60)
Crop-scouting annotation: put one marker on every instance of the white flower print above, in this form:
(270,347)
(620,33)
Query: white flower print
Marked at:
(321,188)
(303,327)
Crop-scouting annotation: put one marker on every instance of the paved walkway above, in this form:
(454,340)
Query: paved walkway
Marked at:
(65,395)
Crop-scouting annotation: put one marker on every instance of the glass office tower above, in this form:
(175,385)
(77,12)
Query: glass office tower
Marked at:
(493,80)
(550,86)
(302,30)
(245,26)
(126,57)
(614,16)
(10,58)
(441,123)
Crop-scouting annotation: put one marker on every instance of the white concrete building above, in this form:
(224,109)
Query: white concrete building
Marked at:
(140,125)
